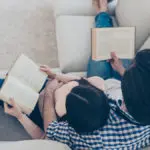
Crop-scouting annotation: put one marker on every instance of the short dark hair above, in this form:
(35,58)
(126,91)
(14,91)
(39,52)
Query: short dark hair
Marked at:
(87,108)
(136,88)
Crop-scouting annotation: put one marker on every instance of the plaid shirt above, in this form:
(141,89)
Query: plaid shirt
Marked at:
(117,134)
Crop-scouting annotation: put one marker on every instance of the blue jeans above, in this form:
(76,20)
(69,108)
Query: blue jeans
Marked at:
(103,68)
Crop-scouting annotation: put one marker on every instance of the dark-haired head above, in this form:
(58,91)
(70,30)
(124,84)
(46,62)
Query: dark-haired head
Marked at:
(136,87)
(87,107)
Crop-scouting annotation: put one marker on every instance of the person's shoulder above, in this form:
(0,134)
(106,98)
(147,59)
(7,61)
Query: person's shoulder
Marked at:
(97,82)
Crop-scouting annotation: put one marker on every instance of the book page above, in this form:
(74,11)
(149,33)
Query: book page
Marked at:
(119,40)
(23,95)
(26,71)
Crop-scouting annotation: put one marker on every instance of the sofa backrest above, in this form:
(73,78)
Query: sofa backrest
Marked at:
(135,13)
(74,20)
(78,7)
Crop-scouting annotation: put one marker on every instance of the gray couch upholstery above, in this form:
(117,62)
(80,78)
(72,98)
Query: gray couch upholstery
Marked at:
(10,128)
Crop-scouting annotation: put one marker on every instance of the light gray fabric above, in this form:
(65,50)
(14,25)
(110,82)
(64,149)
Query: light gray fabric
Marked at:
(10,128)
(78,7)
(146,45)
(74,42)
(135,13)
(27,26)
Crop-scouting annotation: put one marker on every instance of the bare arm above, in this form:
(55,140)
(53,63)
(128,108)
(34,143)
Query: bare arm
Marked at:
(116,64)
(33,130)
(97,82)
(49,113)
(60,77)
(66,78)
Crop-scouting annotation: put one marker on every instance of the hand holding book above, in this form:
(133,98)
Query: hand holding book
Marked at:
(14,111)
(23,82)
(48,71)
(116,63)
(121,39)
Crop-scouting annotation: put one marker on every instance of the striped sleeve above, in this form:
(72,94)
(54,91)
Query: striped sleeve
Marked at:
(59,131)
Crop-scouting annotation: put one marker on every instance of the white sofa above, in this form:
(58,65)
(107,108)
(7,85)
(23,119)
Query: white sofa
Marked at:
(73,22)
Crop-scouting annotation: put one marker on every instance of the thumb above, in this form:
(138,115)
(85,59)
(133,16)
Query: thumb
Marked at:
(6,109)
(114,56)
(12,102)
(43,69)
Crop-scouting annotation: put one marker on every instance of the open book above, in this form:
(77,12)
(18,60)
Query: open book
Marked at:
(106,40)
(23,83)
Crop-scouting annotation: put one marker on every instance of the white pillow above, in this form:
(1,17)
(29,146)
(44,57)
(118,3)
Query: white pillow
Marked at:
(74,42)
(78,7)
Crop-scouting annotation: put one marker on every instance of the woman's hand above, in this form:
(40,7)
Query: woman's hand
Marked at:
(14,110)
(48,71)
(52,86)
(116,64)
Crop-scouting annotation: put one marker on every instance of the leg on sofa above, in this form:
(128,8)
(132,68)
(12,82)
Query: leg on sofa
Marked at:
(103,68)
(102,20)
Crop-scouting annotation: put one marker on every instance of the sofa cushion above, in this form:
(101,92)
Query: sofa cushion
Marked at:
(135,13)
(33,145)
(74,42)
(78,7)
(146,45)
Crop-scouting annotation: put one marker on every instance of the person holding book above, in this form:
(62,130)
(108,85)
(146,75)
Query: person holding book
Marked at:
(126,70)
(85,120)
(73,116)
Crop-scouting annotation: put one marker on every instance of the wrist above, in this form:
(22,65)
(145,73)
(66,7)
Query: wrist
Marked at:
(122,71)
(52,75)
(20,116)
